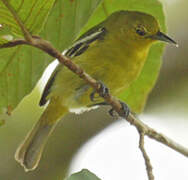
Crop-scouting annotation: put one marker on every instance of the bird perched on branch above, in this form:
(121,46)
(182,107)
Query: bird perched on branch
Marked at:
(114,52)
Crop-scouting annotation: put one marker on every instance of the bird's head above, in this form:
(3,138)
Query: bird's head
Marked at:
(140,28)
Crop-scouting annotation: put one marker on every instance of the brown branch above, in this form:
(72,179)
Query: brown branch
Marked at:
(47,47)
(146,157)
(132,119)
(13,43)
(153,134)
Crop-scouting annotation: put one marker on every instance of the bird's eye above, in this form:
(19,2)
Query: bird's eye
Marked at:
(140,32)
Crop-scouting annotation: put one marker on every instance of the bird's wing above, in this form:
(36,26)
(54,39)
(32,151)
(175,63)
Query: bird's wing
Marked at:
(46,90)
(85,41)
(79,47)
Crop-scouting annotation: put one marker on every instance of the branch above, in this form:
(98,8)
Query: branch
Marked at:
(115,104)
(25,32)
(132,119)
(13,43)
(146,157)
(153,134)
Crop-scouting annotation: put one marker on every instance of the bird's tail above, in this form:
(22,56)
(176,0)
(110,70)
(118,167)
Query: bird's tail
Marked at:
(29,152)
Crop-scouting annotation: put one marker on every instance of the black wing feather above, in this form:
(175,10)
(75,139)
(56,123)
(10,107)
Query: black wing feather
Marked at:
(46,91)
(82,44)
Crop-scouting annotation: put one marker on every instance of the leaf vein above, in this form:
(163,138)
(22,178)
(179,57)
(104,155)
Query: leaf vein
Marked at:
(30,12)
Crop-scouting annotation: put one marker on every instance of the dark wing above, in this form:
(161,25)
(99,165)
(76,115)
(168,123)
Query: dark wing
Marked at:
(80,46)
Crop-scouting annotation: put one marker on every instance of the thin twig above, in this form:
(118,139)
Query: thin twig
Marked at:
(153,134)
(13,43)
(25,32)
(146,157)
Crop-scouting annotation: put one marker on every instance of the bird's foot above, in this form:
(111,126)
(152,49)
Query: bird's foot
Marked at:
(104,91)
(124,110)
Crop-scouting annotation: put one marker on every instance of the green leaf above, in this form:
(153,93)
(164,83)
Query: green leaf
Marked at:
(32,13)
(136,95)
(84,174)
(18,73)
(22,66)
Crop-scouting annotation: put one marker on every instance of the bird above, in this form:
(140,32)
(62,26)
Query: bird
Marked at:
(113,52)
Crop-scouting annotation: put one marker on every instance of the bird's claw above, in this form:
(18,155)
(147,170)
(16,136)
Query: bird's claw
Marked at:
(103,91)
(124,110)
(111,112)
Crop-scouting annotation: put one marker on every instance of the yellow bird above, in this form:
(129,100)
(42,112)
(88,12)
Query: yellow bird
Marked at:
(114,52)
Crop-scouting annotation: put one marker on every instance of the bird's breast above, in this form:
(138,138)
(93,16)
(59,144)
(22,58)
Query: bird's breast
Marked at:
(121,65)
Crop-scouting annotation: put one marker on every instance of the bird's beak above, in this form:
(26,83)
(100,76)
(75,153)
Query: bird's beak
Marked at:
(163,37)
